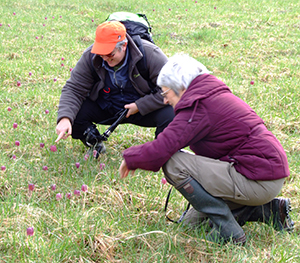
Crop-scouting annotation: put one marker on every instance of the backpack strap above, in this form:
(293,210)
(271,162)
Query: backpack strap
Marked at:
(142,64)
(94,73)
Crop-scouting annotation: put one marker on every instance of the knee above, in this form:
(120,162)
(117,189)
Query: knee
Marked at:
(174,173)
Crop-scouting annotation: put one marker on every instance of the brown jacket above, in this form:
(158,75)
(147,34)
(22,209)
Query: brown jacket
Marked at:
(84,83)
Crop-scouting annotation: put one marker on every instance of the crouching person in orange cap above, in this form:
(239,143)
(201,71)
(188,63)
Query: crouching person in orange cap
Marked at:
(107,80)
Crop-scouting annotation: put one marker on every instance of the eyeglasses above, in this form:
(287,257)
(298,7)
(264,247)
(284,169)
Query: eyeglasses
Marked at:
(110,55)
(165,92)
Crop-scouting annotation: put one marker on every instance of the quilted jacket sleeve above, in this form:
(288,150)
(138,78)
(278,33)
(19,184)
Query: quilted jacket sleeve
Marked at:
(179,134)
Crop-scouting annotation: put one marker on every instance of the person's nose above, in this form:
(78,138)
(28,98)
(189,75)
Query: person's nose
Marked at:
(105,58)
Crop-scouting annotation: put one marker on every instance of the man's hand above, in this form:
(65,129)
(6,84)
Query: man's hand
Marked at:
(132,109)
(123,170)
(63,129)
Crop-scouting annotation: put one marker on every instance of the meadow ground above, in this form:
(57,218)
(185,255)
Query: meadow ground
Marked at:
(115,220)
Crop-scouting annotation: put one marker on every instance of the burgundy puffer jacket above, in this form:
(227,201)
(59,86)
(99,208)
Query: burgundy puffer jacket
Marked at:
(215,124)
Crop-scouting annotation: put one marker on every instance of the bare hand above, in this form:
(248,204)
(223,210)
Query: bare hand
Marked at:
(132,109)
(63,129)
(123,170)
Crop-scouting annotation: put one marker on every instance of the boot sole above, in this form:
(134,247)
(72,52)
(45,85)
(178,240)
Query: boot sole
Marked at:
(285,209)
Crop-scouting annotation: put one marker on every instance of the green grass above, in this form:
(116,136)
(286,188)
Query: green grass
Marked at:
(123,220)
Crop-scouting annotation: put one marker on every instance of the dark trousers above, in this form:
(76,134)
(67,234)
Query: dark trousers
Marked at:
(91,113)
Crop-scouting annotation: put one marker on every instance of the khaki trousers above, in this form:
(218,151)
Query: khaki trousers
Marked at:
(220,179)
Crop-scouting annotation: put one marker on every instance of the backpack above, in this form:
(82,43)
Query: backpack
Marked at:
(138,27)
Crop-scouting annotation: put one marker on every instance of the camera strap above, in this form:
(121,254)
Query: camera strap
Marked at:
(166,206)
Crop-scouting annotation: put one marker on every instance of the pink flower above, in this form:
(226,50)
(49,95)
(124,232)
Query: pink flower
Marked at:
(9,108)
(77,165)
(53,187)
(14,157)
(68,195)
(86,157)
(30,73)
(215,8)
(30,231)
(163,181)
(54,79)
(14,13)
(102,166)
(45,168)
(92,20)
(62,64)
(53,148)
(62,58)
(31,187)
(77,192)
(44,25)
(252,82)
(84,188)
(42,145)
(95,153)
(17,143)
(45,18)
(58,196)
(46,111)
(18,83)
(3,168)
(15,125)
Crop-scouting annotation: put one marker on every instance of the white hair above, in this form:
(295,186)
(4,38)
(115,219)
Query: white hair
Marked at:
(179,72)
(121,43)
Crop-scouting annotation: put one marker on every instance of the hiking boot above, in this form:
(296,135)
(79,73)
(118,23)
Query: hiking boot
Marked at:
(275,213)
(281,208)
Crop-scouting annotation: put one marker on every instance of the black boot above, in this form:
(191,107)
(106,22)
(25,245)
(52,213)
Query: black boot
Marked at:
(94,140)
(275,213)
(225,227)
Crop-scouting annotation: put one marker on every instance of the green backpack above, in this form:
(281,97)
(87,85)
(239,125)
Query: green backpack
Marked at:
(137,25)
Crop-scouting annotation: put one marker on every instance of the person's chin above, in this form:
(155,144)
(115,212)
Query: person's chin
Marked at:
(111,63)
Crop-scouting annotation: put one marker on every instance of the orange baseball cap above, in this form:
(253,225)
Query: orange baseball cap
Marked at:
(108,34)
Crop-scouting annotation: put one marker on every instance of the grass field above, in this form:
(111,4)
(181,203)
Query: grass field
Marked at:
(123,220)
